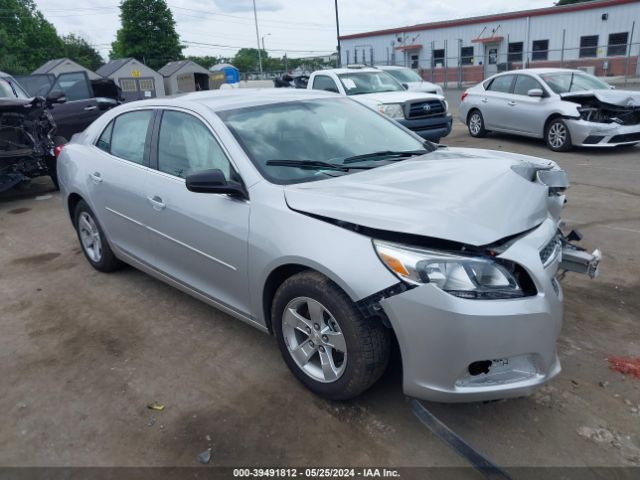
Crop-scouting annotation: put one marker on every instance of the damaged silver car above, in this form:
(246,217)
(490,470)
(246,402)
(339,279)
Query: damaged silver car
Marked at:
(565,107)
(332,227)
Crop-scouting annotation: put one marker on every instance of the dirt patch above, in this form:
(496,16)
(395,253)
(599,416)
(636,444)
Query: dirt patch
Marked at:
(18,211)
(36,259)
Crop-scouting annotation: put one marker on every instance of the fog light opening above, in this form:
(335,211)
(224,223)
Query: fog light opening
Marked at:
(477,368)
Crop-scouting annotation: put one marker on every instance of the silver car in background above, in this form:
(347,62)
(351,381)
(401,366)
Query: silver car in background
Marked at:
(316,219)
(565,107)
(410,79)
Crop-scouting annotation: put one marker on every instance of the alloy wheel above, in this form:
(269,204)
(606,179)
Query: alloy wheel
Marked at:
(314,339)
(475,123)
(557,135)
(90,237)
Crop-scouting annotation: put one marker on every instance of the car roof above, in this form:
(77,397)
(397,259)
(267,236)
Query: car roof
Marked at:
(541,71)
(391,67)
(339,71)
(230,99)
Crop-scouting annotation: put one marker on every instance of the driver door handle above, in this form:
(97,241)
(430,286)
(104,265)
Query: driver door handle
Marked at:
(89,108)
(512,103)
(95,177)
(156,202)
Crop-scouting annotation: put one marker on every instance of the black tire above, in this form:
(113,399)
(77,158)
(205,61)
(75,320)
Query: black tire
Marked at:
(475,124)
(367,340)
(52,162)
(107,261)
(557,136)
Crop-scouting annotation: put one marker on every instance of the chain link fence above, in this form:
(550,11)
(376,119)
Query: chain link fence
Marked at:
(459,65)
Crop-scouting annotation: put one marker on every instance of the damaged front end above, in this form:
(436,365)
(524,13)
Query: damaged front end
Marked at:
(26,133)
(607,118)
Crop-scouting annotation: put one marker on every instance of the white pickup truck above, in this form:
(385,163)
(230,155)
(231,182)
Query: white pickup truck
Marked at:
(424,113)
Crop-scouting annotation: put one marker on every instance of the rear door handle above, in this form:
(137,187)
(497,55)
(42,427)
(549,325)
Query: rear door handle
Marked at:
(512,103)
(156,202)
(89,108)
(95,177)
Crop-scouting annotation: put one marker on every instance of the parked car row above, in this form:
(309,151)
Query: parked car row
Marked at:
(565,107)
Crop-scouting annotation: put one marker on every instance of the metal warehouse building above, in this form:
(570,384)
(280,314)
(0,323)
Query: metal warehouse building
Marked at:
(600,37)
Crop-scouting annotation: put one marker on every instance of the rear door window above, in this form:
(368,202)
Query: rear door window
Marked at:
(501,84)
(129,136)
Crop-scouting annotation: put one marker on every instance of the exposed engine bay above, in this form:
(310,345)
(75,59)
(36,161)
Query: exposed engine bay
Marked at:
(607,107)
(26,140)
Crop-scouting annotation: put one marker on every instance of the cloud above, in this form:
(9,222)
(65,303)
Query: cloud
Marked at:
(247,5)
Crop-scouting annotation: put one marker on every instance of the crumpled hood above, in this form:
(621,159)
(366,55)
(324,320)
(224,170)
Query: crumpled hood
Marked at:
(394,97)
(622,98)
(464,195)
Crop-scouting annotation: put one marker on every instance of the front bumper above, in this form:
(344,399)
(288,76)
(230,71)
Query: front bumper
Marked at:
(441,335)
(592,134)
(433,128)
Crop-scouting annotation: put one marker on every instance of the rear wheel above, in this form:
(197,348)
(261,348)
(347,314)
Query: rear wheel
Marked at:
(92,240)
(324,339)
(557,136)
(476,124)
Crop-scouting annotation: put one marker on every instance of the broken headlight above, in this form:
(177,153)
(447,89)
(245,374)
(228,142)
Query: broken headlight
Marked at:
(472,277)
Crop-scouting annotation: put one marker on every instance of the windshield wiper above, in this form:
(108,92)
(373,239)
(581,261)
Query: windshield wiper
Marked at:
(313,165)
(384,155)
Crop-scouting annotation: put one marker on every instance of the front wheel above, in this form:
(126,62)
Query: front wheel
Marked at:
(476,125)
(557,136)
(324,340)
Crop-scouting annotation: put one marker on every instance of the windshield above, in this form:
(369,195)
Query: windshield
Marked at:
(10,89)
(358,83)
(327,130)
(565,82)
(405,75)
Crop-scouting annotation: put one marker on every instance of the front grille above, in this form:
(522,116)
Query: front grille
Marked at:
(424,109)
(550,250)
(627,137)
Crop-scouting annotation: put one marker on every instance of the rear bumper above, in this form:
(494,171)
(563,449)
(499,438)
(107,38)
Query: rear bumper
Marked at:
(592,134)
(441,336)
(433,128)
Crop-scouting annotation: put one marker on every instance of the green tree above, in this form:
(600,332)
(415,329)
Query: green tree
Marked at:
(208,61)
(568,2)
(77,49)
(27,40)
(148,33)
(246,59)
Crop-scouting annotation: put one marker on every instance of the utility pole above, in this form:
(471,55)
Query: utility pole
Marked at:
(339,59)
(255,16)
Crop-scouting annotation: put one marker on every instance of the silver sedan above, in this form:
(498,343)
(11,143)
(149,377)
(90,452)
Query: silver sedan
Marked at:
(565,107)
(316,219)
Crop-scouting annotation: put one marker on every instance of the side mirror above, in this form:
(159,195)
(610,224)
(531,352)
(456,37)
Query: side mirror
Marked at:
(406,86)
(214,181)
(56,96)
(535,92)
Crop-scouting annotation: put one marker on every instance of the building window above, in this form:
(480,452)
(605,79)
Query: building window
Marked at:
(540,50)
(466,55)
(438,58)
(617,44)
(515,52)
(589,46)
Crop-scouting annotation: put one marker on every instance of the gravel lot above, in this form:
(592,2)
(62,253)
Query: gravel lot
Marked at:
(82,354)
